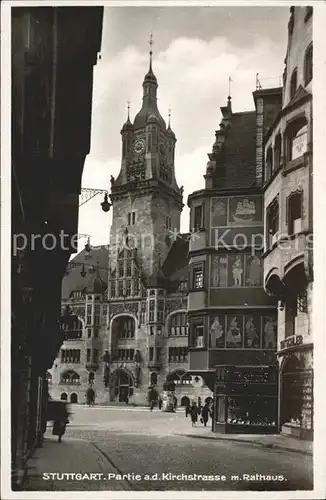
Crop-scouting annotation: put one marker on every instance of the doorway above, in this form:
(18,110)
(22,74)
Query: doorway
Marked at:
(123,386)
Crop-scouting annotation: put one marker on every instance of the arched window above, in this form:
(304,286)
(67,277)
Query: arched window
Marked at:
(179,377)
(178,324)
(308,65)
(293,83)
(64,396)
(70,377)
(153,378)
(124,327)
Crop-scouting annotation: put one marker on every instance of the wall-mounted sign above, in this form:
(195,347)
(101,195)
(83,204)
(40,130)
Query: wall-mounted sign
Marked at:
(291,341)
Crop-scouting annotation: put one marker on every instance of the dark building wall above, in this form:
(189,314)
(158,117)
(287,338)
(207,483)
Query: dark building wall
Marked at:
(53,54)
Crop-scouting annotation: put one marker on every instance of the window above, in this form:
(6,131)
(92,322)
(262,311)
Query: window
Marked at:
(153,378)
(95,355)
(136,286)
(120,288)
(124,327)
(129,218)
(197,333)
(294,213)
(308,66)
(151,330)
(198,276)
(178,324)
(160,310)
(70,356)
(272,222)
(291,312)
(89,315)
(128,288)
(277,152)
(89,332)
(269,164)
(97,314)
(293,83)
(129,267)
(168,222)
(158,353)
(151,353)
(121,268)
(70,377)
(133,218)
(198,218)
(152,310)
(88,355)
(113,285)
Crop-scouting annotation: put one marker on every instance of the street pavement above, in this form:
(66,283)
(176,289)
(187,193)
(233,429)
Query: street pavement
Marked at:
(137,449)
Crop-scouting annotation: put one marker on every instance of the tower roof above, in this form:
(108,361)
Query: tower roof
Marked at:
(149,108)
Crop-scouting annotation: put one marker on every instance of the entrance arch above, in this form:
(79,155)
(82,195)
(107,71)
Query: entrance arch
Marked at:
(291,386)
(185,401)
(64,396)
(73,398)
(123,385)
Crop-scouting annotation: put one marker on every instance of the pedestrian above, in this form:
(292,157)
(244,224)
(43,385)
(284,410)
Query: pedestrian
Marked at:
(187,409)
(175,403)
(160,402)
(194,414)
(205,413)
(60,422)
(151,404)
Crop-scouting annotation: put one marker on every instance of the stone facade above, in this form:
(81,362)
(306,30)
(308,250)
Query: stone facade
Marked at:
(135,328)
(288,236)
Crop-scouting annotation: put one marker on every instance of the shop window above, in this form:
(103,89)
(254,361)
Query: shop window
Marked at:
(269,164)
(293,83)
(272,222)
(198,217)
(295,213)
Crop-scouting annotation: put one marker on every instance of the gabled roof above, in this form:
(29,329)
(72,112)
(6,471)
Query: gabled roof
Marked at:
(175,267)
(238,152)
(96,268)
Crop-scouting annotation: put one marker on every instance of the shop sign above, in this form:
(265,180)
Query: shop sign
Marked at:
(291,341)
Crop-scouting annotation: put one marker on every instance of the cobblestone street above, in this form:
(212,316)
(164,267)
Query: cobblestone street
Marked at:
(157,445)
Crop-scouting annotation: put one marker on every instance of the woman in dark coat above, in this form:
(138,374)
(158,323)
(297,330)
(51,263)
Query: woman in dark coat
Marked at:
(205,413)
(194,414)
(60,423)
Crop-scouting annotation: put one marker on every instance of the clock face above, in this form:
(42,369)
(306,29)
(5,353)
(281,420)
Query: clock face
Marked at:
(139,147)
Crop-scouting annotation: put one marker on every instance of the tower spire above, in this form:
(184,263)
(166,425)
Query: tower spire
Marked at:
(128,107)
(169,117)
(150,50)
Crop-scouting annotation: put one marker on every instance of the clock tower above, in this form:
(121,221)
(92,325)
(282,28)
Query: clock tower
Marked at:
(147,201)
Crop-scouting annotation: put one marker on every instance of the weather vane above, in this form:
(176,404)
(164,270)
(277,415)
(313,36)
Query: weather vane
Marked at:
(151,47)
(230,81)
(128,106)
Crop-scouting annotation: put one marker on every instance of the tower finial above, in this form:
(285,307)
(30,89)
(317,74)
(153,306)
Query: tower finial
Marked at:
(151,49)
(230,81)
(169,116)
(128,106)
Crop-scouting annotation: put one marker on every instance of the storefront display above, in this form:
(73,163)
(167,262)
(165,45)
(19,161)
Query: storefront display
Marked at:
(245,400)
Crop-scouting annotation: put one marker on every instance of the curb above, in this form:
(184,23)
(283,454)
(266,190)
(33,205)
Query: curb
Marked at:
(253,443)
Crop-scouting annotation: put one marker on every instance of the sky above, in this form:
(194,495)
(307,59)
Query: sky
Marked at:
(195,51)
